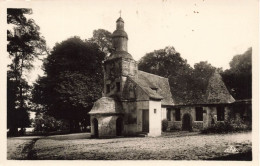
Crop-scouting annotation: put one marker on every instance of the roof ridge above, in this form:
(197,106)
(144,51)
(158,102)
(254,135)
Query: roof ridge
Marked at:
(152,74)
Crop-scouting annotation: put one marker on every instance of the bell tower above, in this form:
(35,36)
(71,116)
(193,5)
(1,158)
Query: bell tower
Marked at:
(120,64)
(120,37)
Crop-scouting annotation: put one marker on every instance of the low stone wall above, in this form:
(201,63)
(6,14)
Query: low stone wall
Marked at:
(177,125)
(106,126)
(197,125)
(210,116)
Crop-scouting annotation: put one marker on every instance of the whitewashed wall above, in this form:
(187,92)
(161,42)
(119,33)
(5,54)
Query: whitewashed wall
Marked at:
(155,118)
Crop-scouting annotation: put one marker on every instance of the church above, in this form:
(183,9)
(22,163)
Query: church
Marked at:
(135,102)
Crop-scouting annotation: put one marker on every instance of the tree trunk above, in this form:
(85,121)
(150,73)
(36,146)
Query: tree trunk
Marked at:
(74,126)
(20,86)
(13,131)
(77,127)
(71,126)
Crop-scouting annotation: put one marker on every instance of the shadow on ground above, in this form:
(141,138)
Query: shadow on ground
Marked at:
(246,156)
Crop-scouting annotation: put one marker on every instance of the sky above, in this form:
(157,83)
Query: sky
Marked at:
(200,30)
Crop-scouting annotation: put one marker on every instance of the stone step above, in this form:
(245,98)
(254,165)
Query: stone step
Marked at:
(143,134)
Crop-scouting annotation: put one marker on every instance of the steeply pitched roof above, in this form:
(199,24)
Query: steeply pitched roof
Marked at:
(217,91)
(155,86)
(214,93)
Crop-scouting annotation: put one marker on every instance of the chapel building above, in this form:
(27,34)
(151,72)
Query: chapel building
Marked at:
(135,102)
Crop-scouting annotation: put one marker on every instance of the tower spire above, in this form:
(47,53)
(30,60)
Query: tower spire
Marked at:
(119,36)
(120,12)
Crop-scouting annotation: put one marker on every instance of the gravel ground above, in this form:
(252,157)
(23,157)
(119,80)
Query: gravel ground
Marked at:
(181,146)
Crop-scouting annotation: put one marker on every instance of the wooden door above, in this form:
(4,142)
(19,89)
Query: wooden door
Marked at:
(186,122)
(119,126)
(95,123)
(145,120)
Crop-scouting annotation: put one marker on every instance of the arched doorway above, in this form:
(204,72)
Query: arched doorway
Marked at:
(186,122)
(119,126)
(95,124)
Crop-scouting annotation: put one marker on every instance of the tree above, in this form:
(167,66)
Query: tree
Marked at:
(24,45)
(45,123)
(187,85)
(73,80)
(168,63)
(200,77)
(239,77)
(103,39)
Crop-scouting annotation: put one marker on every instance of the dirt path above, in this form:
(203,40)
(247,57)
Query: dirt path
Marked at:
(28,149)
(21,148)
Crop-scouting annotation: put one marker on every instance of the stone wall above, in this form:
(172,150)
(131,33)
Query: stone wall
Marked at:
(112,75)
(197,125)
(116,71)
(177,125)
(130,117)
(129,67)
(106,125)
(209,117)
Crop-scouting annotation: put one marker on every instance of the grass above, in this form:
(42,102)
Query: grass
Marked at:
(17,147)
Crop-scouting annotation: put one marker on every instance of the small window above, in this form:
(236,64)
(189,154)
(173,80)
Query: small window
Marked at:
(177,114)
(199,113)
(118,86)
(108,88)
(155,111)
(220,113)
(168,114)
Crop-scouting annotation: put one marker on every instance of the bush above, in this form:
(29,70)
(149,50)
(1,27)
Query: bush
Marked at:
(219,127)
(227,126)
(174,128)
(164,124)
(45,123)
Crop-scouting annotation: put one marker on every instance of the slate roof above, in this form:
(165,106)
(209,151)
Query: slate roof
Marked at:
(217,91)
(155,86)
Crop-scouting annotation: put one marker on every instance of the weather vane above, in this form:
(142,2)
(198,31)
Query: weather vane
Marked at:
(120,12)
